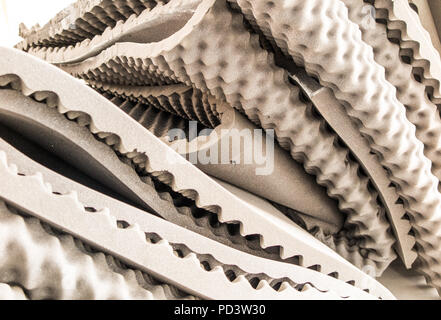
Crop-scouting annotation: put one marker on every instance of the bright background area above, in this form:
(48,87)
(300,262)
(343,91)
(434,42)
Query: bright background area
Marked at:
(30,12)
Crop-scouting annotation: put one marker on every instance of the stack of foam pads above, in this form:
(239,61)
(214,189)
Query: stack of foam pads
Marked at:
(96,202)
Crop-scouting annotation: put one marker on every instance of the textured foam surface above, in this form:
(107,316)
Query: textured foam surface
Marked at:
(179,100)
(404,25)
(95,120)
(59,267)
(127,241)
(220,77)
(83,20)
(175,60)
(211,253)
(362,87)
(422,112)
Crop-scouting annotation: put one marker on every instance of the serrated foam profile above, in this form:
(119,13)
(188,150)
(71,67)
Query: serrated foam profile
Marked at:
(125,143)
(362,87)
(133,246)
(210,251)
(55,267)
(403,24)
(83,20)
(97,68)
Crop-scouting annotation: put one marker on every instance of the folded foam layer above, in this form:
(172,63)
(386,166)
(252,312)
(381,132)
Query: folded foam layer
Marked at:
(335,115)
(71,272)
(404,25)
(83,20)
(130,244)
(380,156)
(362,88)
(211,252)
(178,59)
(105,121)
(180,100)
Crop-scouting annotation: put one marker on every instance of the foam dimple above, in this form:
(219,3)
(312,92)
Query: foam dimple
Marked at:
(179,100)
(310,252)
(198,62)
(404,25)
(422,112)
(83,20)
(367,100)
(128,216)
(185,266)
(29,247)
